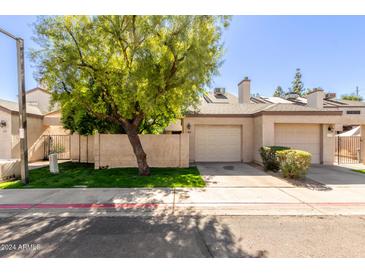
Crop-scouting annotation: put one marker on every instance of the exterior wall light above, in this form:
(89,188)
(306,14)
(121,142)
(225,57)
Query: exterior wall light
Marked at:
(188,126)
(2,123)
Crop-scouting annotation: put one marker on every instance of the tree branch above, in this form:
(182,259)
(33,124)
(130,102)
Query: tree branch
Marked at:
(83,63)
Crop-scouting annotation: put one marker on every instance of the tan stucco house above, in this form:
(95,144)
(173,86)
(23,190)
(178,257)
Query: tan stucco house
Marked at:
(225,128)
(39,123)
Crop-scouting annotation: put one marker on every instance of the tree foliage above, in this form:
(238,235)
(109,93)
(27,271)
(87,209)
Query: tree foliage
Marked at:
(352,97)
(132,74)
(307,91)
(279,92)
(297,84)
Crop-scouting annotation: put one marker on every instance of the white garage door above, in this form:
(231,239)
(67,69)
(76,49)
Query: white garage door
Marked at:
(300,136)
(218,143)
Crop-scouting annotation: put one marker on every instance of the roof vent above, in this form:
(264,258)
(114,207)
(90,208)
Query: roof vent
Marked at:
(219,91)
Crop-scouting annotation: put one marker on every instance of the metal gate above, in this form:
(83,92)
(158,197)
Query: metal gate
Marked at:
(347,149)
(60,144)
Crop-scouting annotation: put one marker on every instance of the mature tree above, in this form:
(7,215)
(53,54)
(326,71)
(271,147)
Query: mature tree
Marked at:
(297,84)
(129,74)
(352,97)
(279,92)
(307,91)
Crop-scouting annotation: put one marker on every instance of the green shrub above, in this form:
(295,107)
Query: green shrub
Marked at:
(269,157)
(57,148)
(294,163)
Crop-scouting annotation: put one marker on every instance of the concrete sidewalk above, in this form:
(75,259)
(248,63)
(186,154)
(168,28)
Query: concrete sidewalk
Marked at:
(40,164)
(232,189)
(205,201)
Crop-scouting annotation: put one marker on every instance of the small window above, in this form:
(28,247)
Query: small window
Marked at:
(353,112)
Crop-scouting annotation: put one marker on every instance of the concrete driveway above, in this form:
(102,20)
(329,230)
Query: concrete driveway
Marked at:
(233,189)
(336,176)
(237,175)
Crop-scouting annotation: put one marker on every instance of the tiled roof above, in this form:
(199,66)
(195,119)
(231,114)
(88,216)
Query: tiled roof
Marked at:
(252,108)
(352,103)
(326,102)
(13,106)
(227,98)
(219,109)
(228,105)
(294,107)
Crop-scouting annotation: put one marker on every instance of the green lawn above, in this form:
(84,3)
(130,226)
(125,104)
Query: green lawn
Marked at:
(75,174)
(359,170)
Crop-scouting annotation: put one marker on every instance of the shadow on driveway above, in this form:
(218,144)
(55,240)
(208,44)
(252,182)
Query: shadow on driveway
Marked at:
(237,175)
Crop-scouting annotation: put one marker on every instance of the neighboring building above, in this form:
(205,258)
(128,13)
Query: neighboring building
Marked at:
(225,128)
(38,123)
(9,128)
(352,108)
(355,132)
(40,99)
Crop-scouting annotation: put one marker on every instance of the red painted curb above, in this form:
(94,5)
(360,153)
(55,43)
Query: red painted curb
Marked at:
(125,205)
(16,206)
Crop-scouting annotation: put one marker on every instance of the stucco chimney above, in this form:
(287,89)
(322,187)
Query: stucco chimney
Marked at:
(244,91)
(315,98)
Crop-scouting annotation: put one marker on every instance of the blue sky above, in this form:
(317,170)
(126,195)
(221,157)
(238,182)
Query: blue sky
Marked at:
(330,50)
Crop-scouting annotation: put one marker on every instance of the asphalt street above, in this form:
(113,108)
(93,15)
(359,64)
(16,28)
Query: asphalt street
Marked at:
(184,236)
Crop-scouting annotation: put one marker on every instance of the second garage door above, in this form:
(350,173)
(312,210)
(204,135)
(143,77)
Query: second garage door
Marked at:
(218,143)
(300,136)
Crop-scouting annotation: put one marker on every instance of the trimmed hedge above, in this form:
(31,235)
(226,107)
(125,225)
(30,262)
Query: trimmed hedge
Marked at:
(294,163)
(269,157)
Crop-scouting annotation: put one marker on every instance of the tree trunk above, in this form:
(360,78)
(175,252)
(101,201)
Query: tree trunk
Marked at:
(143,168)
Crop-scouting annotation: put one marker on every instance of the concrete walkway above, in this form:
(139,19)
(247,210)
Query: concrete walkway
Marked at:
(233,189)
(39,164)
(337,176)
(209,201)
(358,166)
